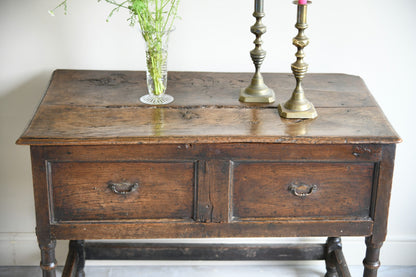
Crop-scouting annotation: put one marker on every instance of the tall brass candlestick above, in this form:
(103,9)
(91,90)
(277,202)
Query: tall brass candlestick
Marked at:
(298,106)
(257,91)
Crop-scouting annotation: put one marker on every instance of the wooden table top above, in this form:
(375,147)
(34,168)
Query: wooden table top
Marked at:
(83,107)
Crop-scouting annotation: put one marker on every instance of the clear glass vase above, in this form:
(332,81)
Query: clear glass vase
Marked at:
(156,68)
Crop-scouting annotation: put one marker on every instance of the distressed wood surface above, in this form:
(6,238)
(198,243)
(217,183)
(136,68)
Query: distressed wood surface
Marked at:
(215,252)
(236,152)
(208,166)
(270,197)
(81,190)
(297,227)
(223,182)
(102,107)
(194,89)
(75,261)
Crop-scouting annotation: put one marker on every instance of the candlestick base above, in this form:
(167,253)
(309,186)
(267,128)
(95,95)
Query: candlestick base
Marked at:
(257,92)
(247,97)
(310,113)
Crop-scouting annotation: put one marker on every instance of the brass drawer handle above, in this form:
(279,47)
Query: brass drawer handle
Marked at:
(123,188)
(302,190)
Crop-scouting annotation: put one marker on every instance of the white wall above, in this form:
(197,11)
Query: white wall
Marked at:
(373,38)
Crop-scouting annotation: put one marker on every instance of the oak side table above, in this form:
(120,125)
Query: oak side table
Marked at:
(106,166)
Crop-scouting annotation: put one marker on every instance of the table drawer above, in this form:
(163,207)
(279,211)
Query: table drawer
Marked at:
(267,190)
(121,190)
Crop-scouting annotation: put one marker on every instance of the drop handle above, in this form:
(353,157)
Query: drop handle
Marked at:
(302,190)
(123,188)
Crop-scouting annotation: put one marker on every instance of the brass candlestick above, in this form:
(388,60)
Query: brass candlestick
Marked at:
(298,106)
(257,91)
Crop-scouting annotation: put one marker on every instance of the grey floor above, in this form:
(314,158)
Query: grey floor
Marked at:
(210,271)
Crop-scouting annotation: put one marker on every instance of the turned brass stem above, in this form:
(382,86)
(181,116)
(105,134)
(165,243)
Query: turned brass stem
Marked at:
(257,91)
(298,106)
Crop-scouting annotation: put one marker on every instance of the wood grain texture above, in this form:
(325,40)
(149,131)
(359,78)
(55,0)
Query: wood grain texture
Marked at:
(208,166)
(261,190)
(80,190)
(70,267)
(102,107)
(124,88)
(255,175)
(213,252)
(382,194)
(226,151)
(75,261)
(133,229)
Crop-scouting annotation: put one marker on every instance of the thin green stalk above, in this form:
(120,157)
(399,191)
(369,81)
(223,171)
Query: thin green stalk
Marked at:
(156,19)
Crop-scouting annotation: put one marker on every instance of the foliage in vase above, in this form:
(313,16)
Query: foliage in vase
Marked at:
(155,19)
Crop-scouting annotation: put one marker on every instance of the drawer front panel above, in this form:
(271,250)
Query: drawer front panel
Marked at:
(122,190)
(268,190)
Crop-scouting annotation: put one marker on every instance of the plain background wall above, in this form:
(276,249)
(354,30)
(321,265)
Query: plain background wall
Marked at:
(373,38)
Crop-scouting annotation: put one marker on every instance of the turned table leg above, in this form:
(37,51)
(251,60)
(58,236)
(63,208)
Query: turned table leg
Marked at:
(75,262)
(79,248)
(48,262)
(336,266)
(371,261)
(331,244)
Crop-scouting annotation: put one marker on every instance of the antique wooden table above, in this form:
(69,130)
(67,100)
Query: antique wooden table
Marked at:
(106,166)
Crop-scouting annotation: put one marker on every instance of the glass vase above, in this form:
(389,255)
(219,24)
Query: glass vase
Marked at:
(156,68)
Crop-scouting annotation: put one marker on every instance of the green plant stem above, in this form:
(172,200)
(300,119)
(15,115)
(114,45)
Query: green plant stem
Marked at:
(155,18)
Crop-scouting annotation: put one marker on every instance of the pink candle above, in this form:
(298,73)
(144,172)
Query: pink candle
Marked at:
(303,2)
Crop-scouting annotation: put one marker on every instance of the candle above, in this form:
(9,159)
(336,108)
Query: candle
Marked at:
(302,11)
(259,6)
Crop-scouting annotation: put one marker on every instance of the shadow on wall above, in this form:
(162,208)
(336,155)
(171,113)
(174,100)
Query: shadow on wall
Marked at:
(16,199)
